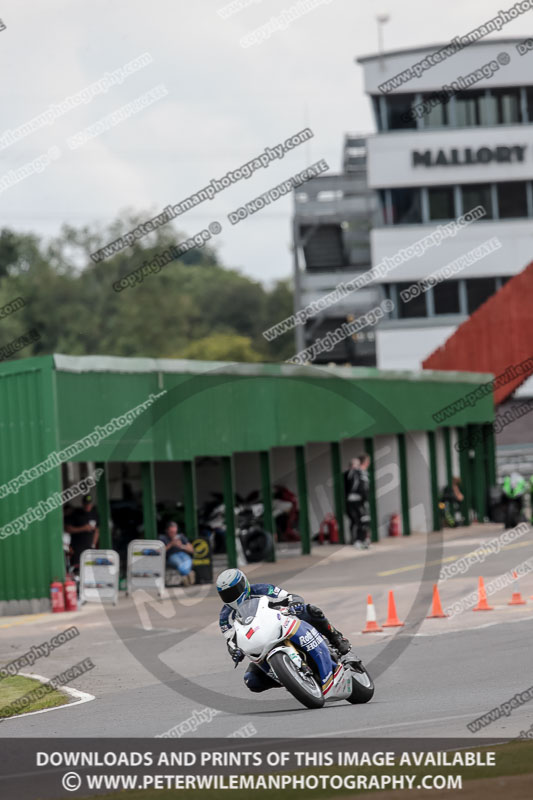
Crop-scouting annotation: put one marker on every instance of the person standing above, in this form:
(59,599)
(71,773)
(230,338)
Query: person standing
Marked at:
(356,489)
(83,526)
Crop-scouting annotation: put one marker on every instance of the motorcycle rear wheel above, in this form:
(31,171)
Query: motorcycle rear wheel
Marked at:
(305,690)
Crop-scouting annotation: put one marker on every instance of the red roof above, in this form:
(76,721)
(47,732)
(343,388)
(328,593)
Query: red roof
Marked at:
(497,338)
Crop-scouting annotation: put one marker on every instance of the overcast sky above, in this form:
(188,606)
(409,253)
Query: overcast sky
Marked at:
(225,104)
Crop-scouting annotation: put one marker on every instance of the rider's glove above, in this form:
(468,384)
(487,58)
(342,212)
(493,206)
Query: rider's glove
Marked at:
(296,607)
(237,655)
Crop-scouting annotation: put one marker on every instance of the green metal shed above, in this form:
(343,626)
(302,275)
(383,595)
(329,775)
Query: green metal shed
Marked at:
(200,409)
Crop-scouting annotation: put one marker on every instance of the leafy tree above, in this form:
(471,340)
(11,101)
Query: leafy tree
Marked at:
(194,307)
(221,347)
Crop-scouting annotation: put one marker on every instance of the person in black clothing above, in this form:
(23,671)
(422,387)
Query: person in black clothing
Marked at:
(83,526)
(356,489)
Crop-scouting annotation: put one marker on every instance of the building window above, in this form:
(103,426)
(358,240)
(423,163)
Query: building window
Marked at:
(377,112)
(512,199)
(468,108)
(438,115)
(416,307)
(478,290)
(529,102)
(446,297)
(398,107)
(406,206)
(478,195)
(504,106)
(441,202)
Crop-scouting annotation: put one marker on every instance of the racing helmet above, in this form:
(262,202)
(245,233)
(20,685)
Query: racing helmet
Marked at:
(233,587)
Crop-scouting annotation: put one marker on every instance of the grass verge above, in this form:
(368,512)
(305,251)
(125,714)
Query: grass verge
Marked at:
(17,688)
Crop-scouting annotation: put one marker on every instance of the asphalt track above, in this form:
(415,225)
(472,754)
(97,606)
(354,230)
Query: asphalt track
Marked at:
(432,676)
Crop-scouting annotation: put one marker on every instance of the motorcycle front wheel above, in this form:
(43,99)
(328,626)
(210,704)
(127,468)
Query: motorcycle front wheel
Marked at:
(304,688)
(362,684)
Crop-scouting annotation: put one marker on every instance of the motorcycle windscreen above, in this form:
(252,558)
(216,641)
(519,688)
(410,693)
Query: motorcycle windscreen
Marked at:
(247,610)
(312,642)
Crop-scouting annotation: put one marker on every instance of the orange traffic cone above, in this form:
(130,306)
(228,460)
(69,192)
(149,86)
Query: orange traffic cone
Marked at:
(371,623)
(482,604)
(516,599)
(392,616)
(436,607)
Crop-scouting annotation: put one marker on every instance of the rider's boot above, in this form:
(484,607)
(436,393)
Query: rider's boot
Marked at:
(324,627)
(338,640)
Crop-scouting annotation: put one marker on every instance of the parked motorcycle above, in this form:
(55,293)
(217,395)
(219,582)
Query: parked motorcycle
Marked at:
(513,494)
(255,541)
(263,628)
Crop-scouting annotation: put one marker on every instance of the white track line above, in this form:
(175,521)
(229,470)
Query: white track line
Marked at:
(388,725)
(82,697)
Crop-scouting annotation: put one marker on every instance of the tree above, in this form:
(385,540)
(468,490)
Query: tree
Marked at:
(193,306)
(221,347)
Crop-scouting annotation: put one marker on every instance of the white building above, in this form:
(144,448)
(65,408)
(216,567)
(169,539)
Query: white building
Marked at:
(429,165)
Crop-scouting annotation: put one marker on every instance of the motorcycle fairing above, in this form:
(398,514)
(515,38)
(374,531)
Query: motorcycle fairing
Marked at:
(312,642)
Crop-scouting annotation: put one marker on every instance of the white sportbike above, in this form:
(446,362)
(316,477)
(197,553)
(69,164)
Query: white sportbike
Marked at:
(298,657)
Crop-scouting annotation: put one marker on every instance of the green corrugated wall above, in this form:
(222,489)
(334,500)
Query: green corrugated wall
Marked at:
(223,410)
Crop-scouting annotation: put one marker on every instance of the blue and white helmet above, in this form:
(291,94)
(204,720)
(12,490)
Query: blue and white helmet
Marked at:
(233,587)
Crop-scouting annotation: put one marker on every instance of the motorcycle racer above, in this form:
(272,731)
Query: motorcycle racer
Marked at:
(234,588)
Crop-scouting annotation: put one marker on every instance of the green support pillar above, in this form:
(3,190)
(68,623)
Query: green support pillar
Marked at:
(189,499)
(464,467)
(369,449)
(432,447)
(102,502)
(266,493)
(229,502)
(448,455)
(404,484)
(480,486)
(302,498)
(148,490)
(490,453)
(338,487)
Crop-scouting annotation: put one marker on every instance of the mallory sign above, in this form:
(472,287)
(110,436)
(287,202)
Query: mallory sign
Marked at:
(468,156)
